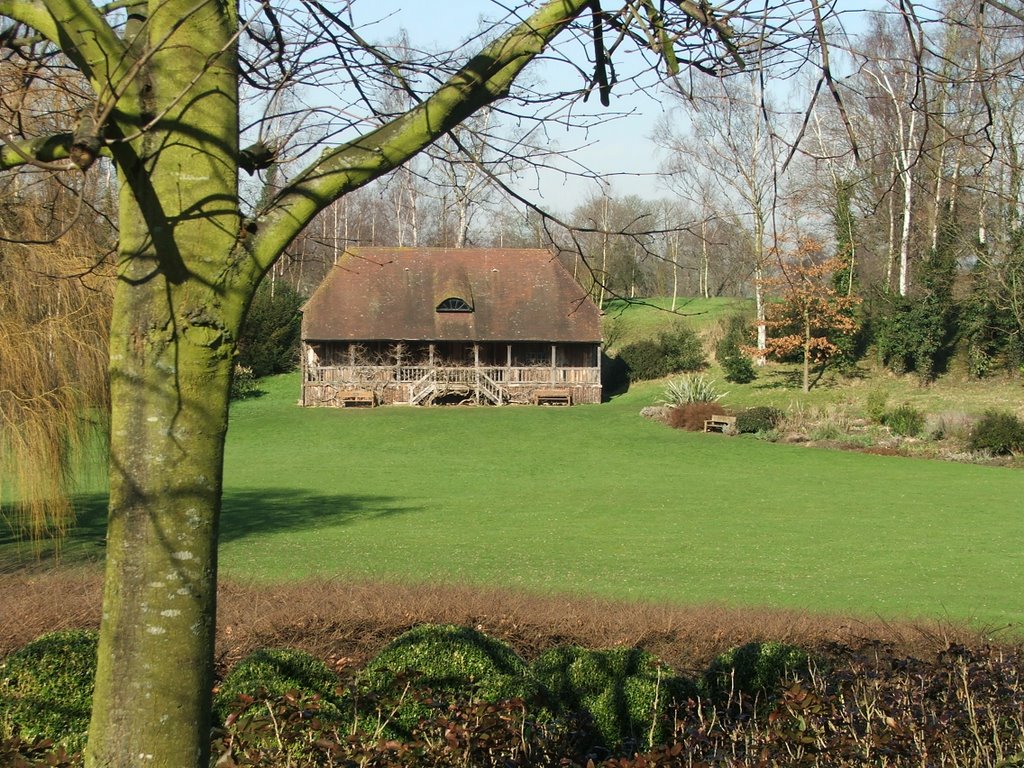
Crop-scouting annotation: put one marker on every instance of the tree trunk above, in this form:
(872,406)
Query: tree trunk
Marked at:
(172,343)
(807,351)
(167,440)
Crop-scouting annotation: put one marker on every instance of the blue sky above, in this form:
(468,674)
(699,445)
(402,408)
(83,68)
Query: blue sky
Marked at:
(616,146)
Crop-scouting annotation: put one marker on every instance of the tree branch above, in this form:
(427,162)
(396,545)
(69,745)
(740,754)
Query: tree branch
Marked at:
(79,30)
(486,78)
(45,151)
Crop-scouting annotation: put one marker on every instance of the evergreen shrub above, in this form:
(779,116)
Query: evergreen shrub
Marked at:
(644,360)
(46,688)
(682,348)
(738,368)
(625,691)
(274,672)
(270,337)
(762,418)
(679,349)
(736,364)
(904,420)
(452,663)
(998,433)
(753,670)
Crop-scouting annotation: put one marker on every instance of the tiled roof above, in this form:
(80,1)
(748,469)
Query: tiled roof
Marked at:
(379,294)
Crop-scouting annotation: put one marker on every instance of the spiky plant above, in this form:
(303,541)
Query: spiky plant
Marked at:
(692,389)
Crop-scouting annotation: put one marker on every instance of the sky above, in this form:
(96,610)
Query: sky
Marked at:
(618,147)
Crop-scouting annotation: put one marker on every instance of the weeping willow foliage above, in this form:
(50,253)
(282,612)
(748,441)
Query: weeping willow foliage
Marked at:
(55,302)
(56,291)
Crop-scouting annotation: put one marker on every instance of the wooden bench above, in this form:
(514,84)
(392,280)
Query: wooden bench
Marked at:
(720,424)
(553,397)
(356,397)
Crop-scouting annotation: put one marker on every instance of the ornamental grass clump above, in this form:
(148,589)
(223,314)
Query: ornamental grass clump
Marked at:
(627,694)
(904,420)
(46,688)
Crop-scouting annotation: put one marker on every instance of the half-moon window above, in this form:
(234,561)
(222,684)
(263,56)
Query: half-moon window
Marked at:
(454,304)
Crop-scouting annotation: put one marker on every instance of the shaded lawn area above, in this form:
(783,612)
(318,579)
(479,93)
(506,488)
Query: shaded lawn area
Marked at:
(596,500)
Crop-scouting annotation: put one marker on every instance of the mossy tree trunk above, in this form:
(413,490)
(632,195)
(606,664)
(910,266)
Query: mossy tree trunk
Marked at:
(166,101)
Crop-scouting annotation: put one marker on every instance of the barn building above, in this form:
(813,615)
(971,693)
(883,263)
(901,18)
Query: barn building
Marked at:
(433,325)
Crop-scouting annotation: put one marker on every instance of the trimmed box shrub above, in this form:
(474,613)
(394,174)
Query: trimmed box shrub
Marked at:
(753,670)
(46,688)
(626,692)
(274,672)
(449,662)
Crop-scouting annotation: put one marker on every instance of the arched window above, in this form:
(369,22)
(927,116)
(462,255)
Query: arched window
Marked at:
(454,304)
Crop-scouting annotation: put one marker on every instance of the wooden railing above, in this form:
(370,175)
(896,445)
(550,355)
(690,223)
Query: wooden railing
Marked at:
(503,375)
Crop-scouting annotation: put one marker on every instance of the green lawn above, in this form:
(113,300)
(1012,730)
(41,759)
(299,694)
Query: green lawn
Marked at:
(596,500)
(628,321)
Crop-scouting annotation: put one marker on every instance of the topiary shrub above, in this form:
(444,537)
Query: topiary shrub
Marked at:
(46,688)
(625,691)
(762,418)
(998,433)
(754,670)
(692,416)
(274,672)
(451,663)
(644,360)
(904,420)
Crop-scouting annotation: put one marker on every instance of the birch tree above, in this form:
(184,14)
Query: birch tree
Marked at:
(162,82)
(730,147)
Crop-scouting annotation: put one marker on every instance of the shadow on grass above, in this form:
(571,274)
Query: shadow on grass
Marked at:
(822,377)
(251,512)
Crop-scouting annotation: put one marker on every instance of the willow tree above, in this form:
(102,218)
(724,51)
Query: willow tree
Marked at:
(162,105)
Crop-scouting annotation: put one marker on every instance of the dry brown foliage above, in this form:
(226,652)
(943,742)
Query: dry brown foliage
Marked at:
(693,415)
(347,623)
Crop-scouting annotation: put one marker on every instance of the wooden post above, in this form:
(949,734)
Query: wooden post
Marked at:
(430,355)
(554,358)
(476,371)
(351,355)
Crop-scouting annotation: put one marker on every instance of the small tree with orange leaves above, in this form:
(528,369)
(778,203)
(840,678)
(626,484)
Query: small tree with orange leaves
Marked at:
(808,314)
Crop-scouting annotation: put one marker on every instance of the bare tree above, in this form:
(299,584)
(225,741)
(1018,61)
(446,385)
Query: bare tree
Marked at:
(731,147)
